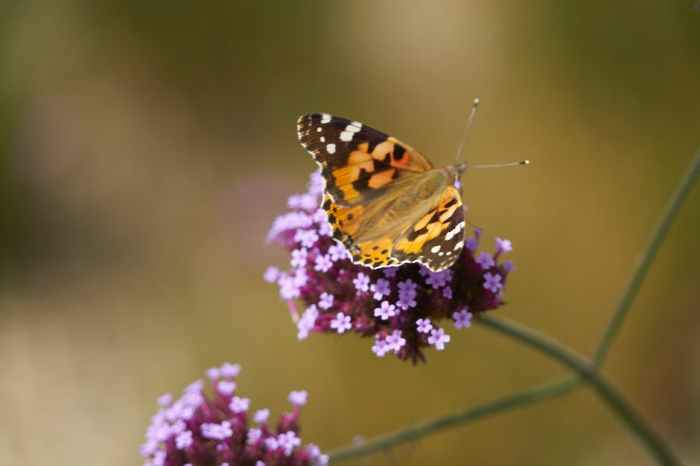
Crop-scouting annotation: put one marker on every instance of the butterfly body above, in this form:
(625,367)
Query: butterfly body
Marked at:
(385,201)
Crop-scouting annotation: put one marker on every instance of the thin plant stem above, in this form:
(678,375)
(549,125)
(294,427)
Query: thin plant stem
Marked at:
(415,432)
(587,371)
(657,238)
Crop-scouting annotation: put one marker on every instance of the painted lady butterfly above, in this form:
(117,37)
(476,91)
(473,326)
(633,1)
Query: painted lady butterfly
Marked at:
(385,201)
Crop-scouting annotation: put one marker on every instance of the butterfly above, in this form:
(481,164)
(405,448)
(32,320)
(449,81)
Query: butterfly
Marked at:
(385,202)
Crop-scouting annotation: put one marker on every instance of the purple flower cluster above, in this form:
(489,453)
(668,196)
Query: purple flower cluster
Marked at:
(399,307)
(211,427)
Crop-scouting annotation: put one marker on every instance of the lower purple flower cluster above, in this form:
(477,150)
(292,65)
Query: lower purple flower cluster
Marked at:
(399,307)
(211,427)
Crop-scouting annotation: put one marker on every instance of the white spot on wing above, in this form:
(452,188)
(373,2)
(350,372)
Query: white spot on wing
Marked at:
(319,129)
(346,136)
(330,148)
(351,128)
(435,249)
(325,118)
(453,232)
(323,139)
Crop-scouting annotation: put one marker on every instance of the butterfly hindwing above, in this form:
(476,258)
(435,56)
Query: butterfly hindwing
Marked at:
(344,221)
(432,233)
(437,239)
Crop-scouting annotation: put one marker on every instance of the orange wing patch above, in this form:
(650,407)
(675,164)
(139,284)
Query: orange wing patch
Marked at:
(345,221)
(382,178)
(374,253)
(376,169)
(432,224)
(415,244)
(406,157)
(393,153)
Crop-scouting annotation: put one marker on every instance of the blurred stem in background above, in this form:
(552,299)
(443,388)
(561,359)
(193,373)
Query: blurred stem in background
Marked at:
(657,238)
(415,432)
(586,371)
(590,374)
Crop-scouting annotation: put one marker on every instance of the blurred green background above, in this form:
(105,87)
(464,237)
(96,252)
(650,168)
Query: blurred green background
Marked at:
(147,146)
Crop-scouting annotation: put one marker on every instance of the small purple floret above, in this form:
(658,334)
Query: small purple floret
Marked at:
(394,341)
(325,301)
(217,431)
(165,400)
(183,440)
(261,416)
(288,441)
(226,387)
(307,322)
(253,436)
(485,260)
(463,318)
(437,279)
(407,294)
(381,289)
(438,338)
(323,263)
(424,325)
(361,283)
(492,282)
(230,370)
(504,245)
(341,323)
(298,397)
(239,405)
(380,347)
(385,310)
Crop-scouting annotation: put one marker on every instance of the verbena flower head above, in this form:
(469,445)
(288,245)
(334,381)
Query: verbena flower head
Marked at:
(209,425)
(402,308)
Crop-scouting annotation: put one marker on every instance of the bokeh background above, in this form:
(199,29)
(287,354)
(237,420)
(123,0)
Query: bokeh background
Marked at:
(147,146)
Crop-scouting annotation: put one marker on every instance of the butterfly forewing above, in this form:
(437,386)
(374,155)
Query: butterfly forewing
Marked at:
(384,200)
(356,159)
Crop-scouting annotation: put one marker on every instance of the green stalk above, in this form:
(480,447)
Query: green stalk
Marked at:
(657,238)
(587,371)
(411,433)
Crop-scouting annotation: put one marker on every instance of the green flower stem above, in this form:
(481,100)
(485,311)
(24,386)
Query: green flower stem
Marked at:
(415,432)
(657,238)
(588,372)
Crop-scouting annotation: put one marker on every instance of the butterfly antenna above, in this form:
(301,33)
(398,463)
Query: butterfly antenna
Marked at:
(501,165)
(468,124)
